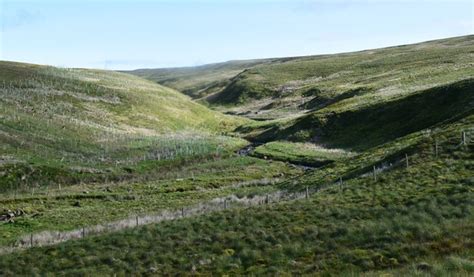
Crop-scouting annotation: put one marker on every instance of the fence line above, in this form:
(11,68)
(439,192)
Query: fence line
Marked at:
(217,204)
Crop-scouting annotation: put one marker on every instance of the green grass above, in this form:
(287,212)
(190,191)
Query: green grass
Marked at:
(299,153)
(65,126)
(369,126)
(84,147)
(379,71)
(199,81)
(460,264)
(280,87)
(67,208)
(423,214)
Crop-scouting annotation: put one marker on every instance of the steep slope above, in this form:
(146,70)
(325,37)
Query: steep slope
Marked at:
(311,83)
(367,126)
(66,125)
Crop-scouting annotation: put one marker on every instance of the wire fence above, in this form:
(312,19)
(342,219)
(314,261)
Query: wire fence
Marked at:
(217,204)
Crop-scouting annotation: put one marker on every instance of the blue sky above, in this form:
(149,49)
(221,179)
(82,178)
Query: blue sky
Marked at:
(130,34)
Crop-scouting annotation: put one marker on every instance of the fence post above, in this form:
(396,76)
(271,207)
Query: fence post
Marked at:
(436,148)
(307,193)
(375,174)
(406,159)
(31,240)
(225,203)
(83,232)
(340,182)
(182,212)
(266,199)
(136,218)
(463,138)
(373,195)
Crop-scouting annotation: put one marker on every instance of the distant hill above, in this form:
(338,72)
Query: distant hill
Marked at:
(199,81)
(277,88)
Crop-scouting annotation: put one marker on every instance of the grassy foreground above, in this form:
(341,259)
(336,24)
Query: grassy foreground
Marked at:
(415,220)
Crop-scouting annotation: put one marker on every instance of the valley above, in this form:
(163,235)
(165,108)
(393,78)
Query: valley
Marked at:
(356,163)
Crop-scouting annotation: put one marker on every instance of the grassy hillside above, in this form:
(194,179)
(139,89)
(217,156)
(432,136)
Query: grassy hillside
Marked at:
(368,77)
(198,81)
(277,88)
(69,125)
(416,220)
(371,125)
(82,147)
(360,164)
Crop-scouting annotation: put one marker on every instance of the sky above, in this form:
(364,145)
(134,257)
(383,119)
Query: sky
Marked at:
(127,34)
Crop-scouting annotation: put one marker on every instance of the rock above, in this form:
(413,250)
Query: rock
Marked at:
(19,212)
(9,215)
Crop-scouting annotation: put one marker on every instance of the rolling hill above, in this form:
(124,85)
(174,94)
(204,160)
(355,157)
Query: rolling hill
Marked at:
(199,81)
(348,164)
(65,125)
(282,87)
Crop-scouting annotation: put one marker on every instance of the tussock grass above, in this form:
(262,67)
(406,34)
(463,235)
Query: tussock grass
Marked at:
(409,220)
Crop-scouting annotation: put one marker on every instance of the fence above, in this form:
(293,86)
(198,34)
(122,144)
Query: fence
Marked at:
(216,204)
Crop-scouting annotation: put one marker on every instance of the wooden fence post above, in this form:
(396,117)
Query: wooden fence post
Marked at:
(436,148)
(136,217)
(307,193)
(373,195)
(182,212)
(463,138)
(406,159)
(31,240)
(375,174)
(225,203)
